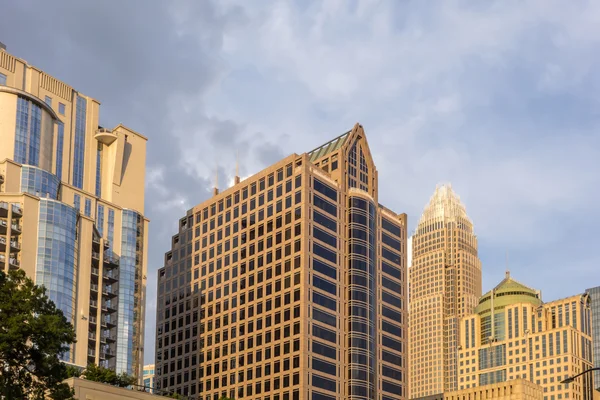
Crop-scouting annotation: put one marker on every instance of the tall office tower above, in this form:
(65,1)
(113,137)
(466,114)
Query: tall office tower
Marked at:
(72,211)
(445,284)
(594,294)
(288,285)
(512,334)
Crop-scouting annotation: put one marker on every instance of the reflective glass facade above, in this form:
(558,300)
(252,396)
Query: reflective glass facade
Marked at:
(361,294)
(39,182)
(79,153)
(60,138)
(28,132)
(127,285)
(100,219)
(99,170)
(57,254)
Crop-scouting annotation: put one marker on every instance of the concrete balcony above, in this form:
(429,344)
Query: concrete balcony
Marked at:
(105,136)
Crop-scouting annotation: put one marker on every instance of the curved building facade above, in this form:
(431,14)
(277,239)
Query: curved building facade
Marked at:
(68,188)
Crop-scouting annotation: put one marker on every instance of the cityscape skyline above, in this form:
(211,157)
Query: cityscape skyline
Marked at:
(543,195)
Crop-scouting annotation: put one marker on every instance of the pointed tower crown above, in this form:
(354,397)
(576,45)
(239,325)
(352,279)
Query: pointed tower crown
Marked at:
(444,204)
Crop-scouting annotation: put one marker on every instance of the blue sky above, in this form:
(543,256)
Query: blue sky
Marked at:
(499,98)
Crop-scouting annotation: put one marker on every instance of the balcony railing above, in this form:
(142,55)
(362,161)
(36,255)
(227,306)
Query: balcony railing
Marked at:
(93,320)
(94,303)
(94,287)
(95,255)
(91,353)
(16,209)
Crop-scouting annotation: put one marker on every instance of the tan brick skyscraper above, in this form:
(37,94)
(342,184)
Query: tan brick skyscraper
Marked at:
(445,285)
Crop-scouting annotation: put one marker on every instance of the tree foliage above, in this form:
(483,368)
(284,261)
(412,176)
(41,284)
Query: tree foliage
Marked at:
(33,335)
(104,375)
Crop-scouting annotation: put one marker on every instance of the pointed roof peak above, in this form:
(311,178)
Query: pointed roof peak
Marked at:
(444,203)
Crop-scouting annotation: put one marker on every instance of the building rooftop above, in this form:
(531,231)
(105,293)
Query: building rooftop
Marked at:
(508,291)
(328,147)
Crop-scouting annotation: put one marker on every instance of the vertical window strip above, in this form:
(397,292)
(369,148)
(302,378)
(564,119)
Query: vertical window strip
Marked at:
(22,131)
(59,149)
(79,155)
(35,132)
(99,170)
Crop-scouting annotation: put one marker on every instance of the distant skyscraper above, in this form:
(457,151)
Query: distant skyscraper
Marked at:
(72,212)
(594,294)
(512,335)
(445,285)
(288,285)
(149,378)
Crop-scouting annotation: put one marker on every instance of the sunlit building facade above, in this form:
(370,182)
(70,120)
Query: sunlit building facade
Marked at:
(72,211)
(148,378)
(445,284)
(289,285)
(512,334)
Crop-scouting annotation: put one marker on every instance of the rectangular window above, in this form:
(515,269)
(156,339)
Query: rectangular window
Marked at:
(324,301)
(2,79)
(77,202)
(391,343)
(100,220)
(324,269)
(324,253)
(324,334)
(99,170)
(324,317)
(390,241)
(391,227)
(48,100)
(59,149)
(325,205)
(322,220)
(324,350)
(391,299)
(390,255)
(325,189)
(324,237)
(61,108)
(324,366)
(325,285)
(88,208)
(391,270)
(79,153)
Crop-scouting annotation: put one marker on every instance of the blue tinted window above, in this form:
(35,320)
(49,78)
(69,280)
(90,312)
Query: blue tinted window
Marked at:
(324,334)
(325,253)
(100,219)
(325,285)
(88,208)
(324,268)
(39,182)
(324,366)
(391,358)
(391,373)
(390,255)
(322,220)
(324,237)
(391,314)
(22,131)
(391,328)
(2,79)
(391,388)
(391,299)
(391,343)
(325,301)
(324,383)
(391,270)
(390,284)
(321,396)
(77,201)
(48,100)
(35,135)
(325,205)
(325,189)
(324,350)
(99,170)
(61,108)
(79,152)
(390,241)
(391,227)
(59,149)
(324,317)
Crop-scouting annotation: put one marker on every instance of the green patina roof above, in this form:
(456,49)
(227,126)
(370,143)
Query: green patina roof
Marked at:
(328,147)
(508,292)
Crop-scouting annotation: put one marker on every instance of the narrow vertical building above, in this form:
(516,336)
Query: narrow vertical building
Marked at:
(594,294)
(72,211)
(288,285)
(512,334)
(445,285)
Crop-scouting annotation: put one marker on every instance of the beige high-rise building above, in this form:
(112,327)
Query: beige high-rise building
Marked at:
(72,211)
(517,389)
(445,284)
(289,285)
(512,334)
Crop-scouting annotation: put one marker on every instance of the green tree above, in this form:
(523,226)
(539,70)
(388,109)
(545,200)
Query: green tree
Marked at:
(104,375)
(33,336)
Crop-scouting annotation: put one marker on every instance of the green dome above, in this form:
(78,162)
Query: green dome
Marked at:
(506,293)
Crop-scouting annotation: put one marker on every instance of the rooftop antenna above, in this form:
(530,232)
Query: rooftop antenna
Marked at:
(507,273)
(236,179)
(216,187)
